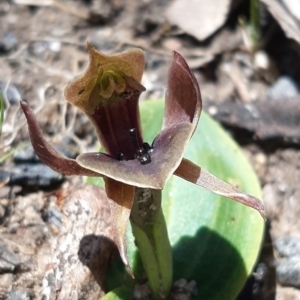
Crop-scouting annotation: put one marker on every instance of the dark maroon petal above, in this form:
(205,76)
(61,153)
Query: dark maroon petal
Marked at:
(47,154)
(114,118)
(193,173)
(108,93)
(183,98)
(121,198)
(168,150)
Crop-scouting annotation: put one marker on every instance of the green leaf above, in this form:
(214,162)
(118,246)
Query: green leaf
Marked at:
(120,293)
(215,240)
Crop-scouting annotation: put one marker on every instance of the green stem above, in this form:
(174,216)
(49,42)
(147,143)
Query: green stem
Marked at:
(151,235)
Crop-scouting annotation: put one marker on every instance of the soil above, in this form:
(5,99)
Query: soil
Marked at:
(44,47)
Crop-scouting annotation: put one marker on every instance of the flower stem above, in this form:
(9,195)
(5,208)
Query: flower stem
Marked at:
(151,235)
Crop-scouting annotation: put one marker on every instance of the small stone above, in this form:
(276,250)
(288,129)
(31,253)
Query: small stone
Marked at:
(282,188)
(101,39)
(4,202)
(183,290)
(191,287)
(18,295)
(37,48)
(25,154)
(261,271)
(34,175)
(288,246)
(283,87)
(4,7)
(172,44)
(141,292)
(288,272)
(261,158)
(261,60)
(212,110)
(12,92)
(55,218)
(4,178)
(54,46)
(8,43)
(67,149)
(8,259)
(6,283)
(181,283)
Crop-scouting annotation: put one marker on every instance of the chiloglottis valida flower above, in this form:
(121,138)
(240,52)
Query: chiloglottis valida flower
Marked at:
(108,94)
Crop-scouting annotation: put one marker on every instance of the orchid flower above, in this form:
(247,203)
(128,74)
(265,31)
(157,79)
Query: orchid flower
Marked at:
(108,94)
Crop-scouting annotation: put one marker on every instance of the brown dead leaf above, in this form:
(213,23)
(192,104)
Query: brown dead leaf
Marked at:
(269,119)
(199,18)
(286,18)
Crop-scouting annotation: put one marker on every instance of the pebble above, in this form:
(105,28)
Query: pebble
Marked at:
(101,39)
(283,87)
(261,271)
(180,284)
(260,158)
(172,44)
(8,43)
(38,48)
(28,170)
(4,7)
(6,284)
(4,178)
(183,290)
(288,268)
(261,60)
(9,261)
(25,154)
(141,292)
(54,46)
(66,148)
(34,175)
(288,272)
(288,246)
(55,218)
(12,92)
(18,295)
